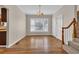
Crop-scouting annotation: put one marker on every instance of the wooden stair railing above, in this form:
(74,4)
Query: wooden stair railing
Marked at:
(74,29)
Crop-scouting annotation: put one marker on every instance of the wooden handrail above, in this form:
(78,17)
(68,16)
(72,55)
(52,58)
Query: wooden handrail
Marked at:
(74,29)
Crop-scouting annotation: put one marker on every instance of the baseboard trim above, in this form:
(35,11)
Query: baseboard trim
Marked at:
(56,38)
(3,46)
(15,42)
(38,35)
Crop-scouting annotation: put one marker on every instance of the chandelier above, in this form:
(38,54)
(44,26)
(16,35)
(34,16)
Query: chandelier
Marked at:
(39,13)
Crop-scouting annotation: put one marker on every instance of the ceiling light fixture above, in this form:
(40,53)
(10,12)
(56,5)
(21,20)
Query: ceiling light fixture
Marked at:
(39,13)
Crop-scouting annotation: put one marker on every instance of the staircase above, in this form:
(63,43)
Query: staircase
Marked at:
(73,46)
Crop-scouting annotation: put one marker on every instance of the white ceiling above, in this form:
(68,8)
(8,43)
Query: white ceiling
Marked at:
(46,9)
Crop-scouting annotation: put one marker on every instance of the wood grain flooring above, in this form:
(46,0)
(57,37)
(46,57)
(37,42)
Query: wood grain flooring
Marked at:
(35,45)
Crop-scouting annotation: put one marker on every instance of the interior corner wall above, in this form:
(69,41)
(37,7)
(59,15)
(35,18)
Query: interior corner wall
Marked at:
(16,24)
(68,14)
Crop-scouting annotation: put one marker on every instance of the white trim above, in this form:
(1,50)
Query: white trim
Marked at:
(2,45)
(7,41)
(15,42)
(39,34)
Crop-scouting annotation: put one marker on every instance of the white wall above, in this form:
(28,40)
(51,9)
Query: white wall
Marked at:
(57,27)
(77,7)
(16,24)
(67,12)
(39,33)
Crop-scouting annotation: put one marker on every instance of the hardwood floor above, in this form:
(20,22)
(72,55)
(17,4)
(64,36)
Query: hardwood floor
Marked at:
(36,45)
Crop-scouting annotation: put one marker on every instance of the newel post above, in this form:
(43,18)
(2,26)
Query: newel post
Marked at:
(74,28)
(62,35)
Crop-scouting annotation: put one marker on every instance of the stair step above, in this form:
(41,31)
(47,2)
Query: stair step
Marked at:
(77,23)
(70,50)
(77,34)
(78,26)
(74,45)
(78,31)
(76,40)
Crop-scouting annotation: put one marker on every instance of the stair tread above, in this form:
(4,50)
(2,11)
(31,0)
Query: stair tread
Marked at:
(76,40)
(74,45)
(70,49)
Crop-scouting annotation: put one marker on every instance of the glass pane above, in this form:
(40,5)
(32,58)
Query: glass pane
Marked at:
(39,25)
